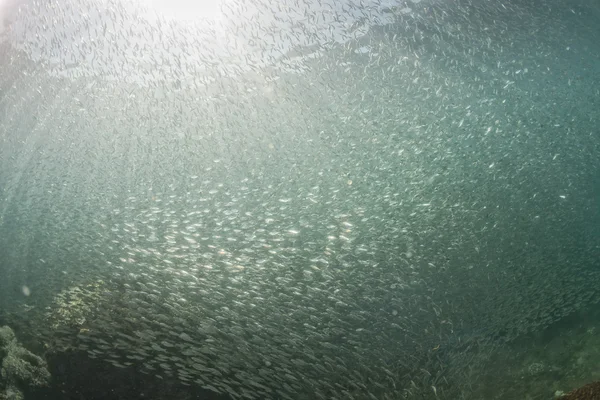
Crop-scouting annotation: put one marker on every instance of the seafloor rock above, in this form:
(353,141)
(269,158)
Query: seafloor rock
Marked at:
(591,391)
(19,368)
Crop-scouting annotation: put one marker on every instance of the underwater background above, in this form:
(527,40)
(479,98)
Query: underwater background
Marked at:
(299,199)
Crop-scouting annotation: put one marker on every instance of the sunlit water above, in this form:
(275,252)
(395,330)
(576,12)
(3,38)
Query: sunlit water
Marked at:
(292,200)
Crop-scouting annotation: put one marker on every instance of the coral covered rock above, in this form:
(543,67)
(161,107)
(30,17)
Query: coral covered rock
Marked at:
(22,367)
(7,336)
(19,368)
(11,393)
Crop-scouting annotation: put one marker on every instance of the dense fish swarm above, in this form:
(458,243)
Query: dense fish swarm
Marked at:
(297,200)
